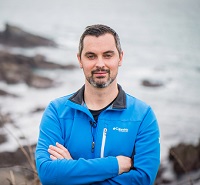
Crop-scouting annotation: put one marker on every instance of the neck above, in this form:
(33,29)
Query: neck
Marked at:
(98,98)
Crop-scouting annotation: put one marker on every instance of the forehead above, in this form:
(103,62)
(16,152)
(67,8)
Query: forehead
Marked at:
(103,42)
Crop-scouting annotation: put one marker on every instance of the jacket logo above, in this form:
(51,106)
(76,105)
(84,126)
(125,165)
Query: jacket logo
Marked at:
(120,129)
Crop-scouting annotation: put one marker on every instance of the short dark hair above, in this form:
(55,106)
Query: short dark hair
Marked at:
(98,30)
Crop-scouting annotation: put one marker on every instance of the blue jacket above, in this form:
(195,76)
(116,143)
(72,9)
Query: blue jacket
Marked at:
(128,127)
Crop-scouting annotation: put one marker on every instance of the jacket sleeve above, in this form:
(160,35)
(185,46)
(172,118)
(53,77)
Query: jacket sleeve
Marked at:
(146,158)
(65,171)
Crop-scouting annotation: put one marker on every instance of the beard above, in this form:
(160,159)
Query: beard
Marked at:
(100,82)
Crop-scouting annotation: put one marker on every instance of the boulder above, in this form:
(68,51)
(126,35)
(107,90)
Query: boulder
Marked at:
(37,81)
(18,167)
(149,83)
(15,36)
(15,68)
(15,158)
(185,158)
(38,109)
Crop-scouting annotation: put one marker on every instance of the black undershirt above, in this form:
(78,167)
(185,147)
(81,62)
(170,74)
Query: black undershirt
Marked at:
(96,113)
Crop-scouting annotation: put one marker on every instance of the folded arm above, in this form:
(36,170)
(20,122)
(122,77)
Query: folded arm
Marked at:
(60,152)
(146,158)
(56,166)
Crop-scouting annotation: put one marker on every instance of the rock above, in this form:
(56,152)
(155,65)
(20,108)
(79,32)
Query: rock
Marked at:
(18,175)
(16,68)
(15,158)
(38,109)
(18,167)
(37,81)
(185,158)
(15,36)
(5,118)
(5,93)
(148,83)
(40,62)
(3,138)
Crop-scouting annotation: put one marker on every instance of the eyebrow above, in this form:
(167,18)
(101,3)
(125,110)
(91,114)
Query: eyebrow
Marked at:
(110,51)
(91,53)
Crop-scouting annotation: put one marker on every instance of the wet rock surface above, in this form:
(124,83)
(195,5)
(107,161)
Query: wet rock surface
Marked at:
(150,83)
(185,161)
(16,158)
(38,109)
(185,158)
(18,167)
(15,68)
(17,37)
(5,93)
(15,167)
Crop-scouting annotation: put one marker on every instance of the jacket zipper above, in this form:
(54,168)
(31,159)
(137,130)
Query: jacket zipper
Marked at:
(103,142)
(93,127)
(93,146)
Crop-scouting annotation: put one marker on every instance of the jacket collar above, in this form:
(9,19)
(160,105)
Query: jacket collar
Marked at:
(119,102)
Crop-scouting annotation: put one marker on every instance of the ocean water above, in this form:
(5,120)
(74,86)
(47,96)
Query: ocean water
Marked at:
(161,42)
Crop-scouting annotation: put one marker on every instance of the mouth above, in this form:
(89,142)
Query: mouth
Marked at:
(100,74)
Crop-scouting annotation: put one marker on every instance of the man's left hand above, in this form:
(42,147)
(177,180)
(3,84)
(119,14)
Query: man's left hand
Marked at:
(58,152)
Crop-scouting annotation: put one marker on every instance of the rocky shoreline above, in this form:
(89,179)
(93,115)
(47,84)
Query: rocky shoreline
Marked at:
(15,68)
(16,37)
(19,167)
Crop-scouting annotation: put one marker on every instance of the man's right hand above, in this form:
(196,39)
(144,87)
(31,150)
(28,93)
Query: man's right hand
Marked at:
(60,152)
(125,164)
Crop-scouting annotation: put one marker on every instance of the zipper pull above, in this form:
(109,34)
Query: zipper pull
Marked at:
(105,131)
(93,146)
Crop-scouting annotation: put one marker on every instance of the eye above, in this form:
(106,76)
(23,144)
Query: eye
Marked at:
(108,55)
(90,56)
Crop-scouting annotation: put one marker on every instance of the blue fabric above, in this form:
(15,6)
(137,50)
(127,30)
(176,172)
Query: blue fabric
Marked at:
(130,130)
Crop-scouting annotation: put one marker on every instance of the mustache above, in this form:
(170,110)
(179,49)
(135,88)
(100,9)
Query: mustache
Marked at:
(100,70)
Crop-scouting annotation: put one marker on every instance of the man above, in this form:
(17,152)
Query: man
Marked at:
(100,134)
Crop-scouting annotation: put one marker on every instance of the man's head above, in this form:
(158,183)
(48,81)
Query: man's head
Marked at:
(98,30)
(100,55)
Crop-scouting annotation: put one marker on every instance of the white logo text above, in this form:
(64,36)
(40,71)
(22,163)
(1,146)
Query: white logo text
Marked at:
(120,129)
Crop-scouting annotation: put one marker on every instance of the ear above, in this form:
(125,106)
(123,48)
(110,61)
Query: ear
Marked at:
(121,58)
(79,60)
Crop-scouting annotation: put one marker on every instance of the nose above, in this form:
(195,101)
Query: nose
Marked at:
(100,62)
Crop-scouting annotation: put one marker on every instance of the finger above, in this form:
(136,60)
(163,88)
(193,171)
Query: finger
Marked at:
(55,154)
(67,154)
(60,151)
(53,157)
(62,147)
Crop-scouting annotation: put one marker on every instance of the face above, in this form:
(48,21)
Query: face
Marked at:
(100,60)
